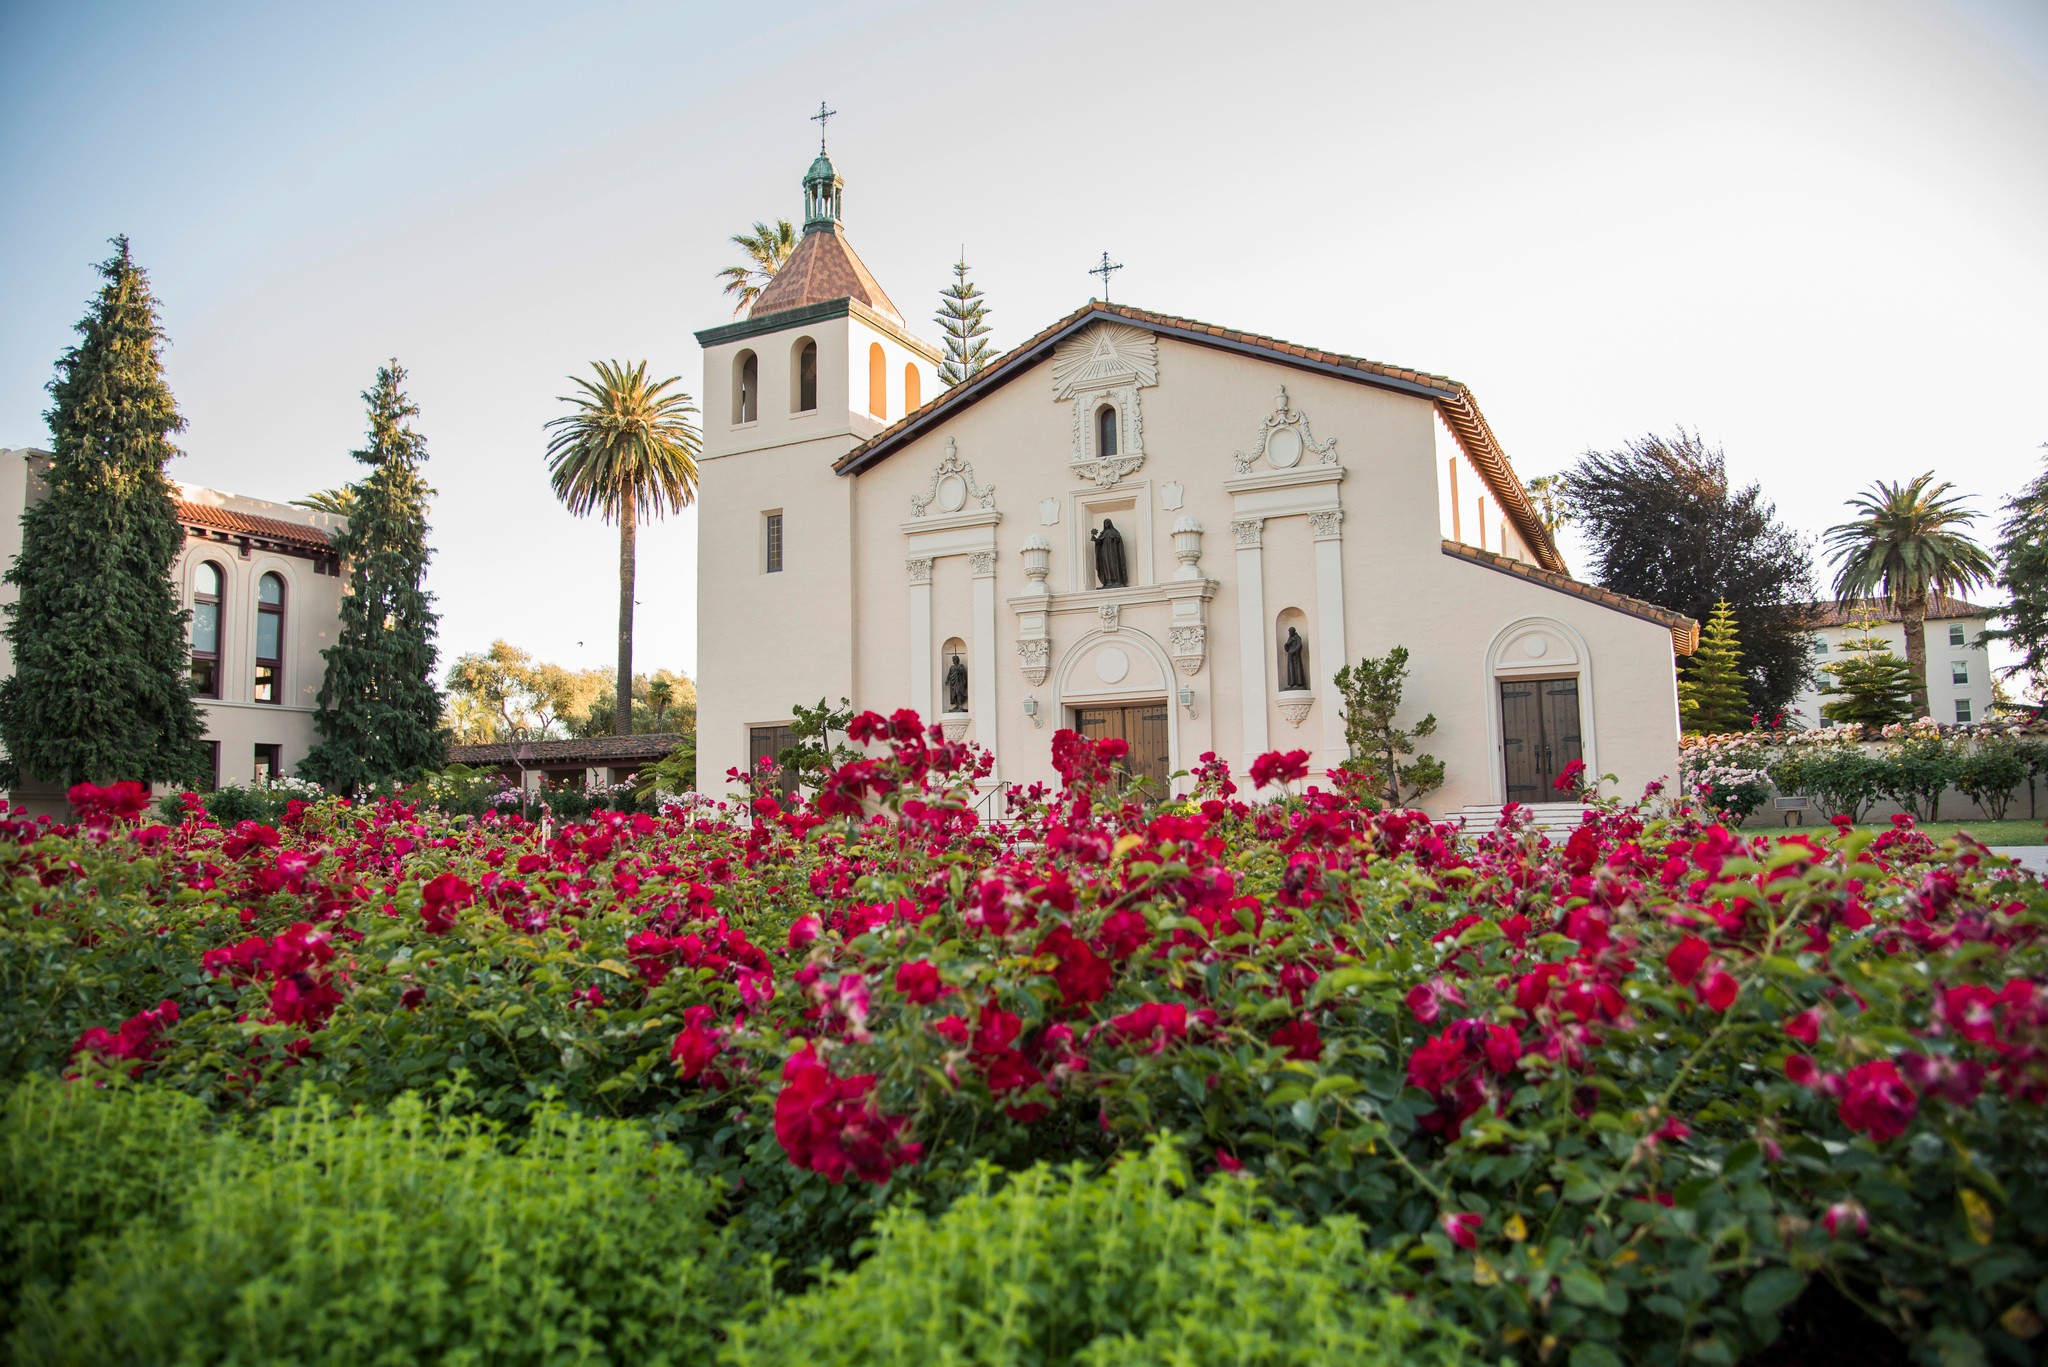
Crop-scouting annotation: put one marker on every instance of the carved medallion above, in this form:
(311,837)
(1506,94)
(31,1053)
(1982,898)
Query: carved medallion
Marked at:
(952,485)
(1284,440)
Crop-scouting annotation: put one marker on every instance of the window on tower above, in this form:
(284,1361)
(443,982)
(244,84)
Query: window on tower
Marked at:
(913,388)
(1105,431)
(804,377)
(746,389)
(878,381)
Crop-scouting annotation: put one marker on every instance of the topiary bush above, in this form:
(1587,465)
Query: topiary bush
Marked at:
(1140,1265)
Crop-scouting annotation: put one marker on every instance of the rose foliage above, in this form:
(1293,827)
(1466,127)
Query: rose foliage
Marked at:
(1632,1095)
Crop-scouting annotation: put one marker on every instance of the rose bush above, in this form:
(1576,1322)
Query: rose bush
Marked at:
(1626,1096)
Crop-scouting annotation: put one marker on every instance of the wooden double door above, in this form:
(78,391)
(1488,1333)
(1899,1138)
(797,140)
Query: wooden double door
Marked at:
(1142,726)
(1539,735)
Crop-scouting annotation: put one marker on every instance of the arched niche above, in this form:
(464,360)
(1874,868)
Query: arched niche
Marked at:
(746,387)
(803,375)
(1296,620)
(954,649)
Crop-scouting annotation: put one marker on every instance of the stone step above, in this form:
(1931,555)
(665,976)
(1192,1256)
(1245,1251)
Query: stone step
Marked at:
(1548,817)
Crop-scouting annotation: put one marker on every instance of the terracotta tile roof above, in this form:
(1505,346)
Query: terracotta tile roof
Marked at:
(823,266)
(591,750)
(217,519)
(1454,402)
(1685,632)
(1940,606)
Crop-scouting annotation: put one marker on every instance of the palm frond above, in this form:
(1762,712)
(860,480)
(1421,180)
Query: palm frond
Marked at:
(629,446)
(1908,541)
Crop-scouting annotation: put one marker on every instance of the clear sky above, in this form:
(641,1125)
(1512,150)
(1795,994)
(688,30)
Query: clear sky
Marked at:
(1812,229)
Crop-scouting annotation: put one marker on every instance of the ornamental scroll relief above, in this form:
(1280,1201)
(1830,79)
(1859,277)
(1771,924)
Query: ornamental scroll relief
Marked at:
(1285,439)
(953,483)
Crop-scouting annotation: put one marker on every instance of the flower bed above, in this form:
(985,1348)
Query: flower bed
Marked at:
(1628,1096)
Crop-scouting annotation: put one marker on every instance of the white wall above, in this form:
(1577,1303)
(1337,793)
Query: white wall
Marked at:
(1942,691)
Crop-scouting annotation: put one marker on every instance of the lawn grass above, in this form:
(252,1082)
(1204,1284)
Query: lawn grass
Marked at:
(2020,832)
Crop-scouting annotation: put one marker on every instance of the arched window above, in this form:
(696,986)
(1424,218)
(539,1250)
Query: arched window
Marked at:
(878,381)
(913,387)
(270,639)
(746,388)
(206,596)
(1105,431)
(803,376)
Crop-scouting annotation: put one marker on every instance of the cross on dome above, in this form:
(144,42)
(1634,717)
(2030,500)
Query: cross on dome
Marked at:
(1104,271)
(819,119)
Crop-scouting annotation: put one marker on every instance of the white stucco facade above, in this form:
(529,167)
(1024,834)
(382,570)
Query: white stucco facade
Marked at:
(1959,677)
(1256,486)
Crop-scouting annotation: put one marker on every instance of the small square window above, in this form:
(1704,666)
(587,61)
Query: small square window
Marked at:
(1962,709)
(269,762)
(772,535)
(1820,645)
(1955,636)
(1959,671)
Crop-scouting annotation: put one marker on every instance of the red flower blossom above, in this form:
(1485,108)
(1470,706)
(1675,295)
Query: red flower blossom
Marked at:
(1081,974)
(1277,767)
(919,982)
(697,1044)
(1300,1039)
(136,1039)
(1877,1101)
(1156,1022)
(1801,1070)
(1846,1218)
(1719,990)
(1573,777)
(832,1125)
(1805,1027)
(1463,1228)
(98,806)
(440,899)
(1686,959)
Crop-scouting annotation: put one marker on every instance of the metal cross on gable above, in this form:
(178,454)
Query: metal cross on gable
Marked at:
(819,119)
(1104,271)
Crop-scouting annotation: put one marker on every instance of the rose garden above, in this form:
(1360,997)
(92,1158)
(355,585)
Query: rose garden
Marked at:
(855,1078)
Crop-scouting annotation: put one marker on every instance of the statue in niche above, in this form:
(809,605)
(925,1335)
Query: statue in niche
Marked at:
(1296,651)
(956,686)
(1111,570)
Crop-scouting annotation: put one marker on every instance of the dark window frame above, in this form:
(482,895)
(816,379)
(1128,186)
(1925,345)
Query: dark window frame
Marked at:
(1107,441)
(773,540)
(269,754)
(269,669)
(207,685)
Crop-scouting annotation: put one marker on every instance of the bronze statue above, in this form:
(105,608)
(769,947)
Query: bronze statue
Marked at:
(1111,572)
(1296,650)
(956,686)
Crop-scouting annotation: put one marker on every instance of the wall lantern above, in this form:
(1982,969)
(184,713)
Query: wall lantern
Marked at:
(1187,698)
(1031,710)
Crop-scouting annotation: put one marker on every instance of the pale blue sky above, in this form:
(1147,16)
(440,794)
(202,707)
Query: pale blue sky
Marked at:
(1813,230)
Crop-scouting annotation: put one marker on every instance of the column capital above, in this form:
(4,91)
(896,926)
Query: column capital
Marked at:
(920,567)
(1248,531)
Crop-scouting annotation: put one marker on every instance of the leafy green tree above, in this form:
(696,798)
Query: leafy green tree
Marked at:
(1371,690)
(342,500)
(379,713)
(101,687)
(1869,685)
(812,753)
(1907,543)
(628,450)
(2023,558)
(766,249)
(964,317)
(1547,497)
(1711,696)
(1990,774)
(1665,525)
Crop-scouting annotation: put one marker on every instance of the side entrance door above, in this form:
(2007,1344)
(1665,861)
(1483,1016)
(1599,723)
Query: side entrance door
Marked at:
(1142,726)
(1539,729)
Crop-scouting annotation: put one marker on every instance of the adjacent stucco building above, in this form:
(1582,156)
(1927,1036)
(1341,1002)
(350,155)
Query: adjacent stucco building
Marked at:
(1958,667)
(261,581)
(860,541)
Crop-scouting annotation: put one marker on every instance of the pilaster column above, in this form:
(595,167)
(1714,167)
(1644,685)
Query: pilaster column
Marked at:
(1249,533)
(981,687)
(1328,526)
(920,568)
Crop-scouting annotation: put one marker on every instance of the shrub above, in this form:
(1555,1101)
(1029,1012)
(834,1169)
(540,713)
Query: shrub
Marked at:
(330,1238)
(1131,1267)
(1842,779)
(1990,774)
(79,1162)
(1919,769)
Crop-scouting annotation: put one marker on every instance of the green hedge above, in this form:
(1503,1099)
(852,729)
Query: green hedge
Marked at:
(1132,1267)
(330,1238)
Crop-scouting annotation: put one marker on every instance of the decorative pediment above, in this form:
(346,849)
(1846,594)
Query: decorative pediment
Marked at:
(1105,356)
(952,485)
(1285,441)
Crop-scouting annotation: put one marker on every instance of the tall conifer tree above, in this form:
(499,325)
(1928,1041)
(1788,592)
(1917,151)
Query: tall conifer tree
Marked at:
(964,317)
(380,712)
(101,686)
(1711,696)
(1869,685)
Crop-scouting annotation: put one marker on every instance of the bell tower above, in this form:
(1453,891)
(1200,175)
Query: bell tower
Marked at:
(821,363)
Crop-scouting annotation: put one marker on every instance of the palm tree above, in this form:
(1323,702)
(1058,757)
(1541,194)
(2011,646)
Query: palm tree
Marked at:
(340,500)
(1907,543)
(766,248)
(661,694)
(629,450)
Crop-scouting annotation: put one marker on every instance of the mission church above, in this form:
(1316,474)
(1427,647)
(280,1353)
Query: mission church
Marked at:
(1136,525)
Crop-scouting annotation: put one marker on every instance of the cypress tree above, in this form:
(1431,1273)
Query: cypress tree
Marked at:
(1711,697)
(101,688)
(1870,685)
(380,713)
(963,316)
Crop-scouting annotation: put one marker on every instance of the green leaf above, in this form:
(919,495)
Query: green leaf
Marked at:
(1771,1290)
(1582,1286)
(1594,1355)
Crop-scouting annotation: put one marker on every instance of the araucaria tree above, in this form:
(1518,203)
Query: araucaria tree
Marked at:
(379,712)
(1665,526)
(2023,556)
(1869,685)
(101,685)
(1711,696)
(629,450)
(1908,542)
(964,317)
(1371,690)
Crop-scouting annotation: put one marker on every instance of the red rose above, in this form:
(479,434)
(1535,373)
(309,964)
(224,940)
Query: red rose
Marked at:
(1686,958)
(1877,1101)
(1463,1228)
